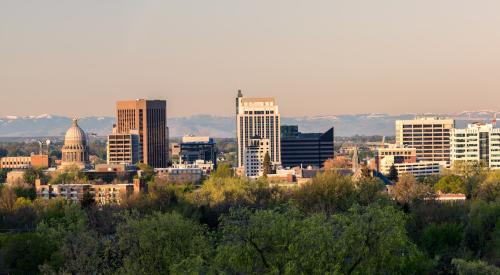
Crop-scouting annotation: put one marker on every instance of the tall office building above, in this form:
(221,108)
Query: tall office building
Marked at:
(149,118)
(429,135)
(124,148)
(478,142)
(257,117)
(305,149)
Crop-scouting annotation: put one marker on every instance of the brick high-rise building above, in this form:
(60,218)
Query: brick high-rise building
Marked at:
(149,118)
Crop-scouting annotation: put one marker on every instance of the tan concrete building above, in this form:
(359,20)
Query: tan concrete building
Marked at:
(180,175)
(430,136)
(104,194)
(257,117)
(254,154)
(33,161)
(124,148)
(149,118)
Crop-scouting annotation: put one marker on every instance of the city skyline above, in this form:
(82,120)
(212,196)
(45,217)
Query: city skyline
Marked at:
(332,57)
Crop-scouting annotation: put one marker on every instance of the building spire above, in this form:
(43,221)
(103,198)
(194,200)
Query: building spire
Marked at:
(240,94)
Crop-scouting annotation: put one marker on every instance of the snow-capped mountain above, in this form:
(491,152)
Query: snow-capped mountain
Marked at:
(218,126)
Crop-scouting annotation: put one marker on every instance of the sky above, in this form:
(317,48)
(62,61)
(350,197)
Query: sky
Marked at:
(316,57)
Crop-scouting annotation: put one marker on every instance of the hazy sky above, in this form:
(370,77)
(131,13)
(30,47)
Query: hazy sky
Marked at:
(329,57)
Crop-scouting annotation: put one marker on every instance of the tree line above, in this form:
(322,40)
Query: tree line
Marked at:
(230,225)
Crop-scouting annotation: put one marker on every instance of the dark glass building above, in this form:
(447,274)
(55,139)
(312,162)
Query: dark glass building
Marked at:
(198,148)
(305,149)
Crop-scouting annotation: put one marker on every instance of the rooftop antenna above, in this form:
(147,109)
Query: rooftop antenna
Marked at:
(494,121)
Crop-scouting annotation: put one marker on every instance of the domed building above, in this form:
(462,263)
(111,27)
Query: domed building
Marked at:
(75,151)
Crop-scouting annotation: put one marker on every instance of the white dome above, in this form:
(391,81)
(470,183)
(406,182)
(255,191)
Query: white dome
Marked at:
(75,135)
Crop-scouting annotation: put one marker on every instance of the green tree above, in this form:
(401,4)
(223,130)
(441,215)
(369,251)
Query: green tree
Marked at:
(373,240)
(482,228)
(7,199)
(88,200)
(451,184)
(266,165)
(464,267)
(489,189)
(148,172)
(442,243)
(393,173)
(161,243)
(468,169)
(327,193)
(224,170)
(409,191)
(31,174)
(274,242)
(23,253)
(3,176)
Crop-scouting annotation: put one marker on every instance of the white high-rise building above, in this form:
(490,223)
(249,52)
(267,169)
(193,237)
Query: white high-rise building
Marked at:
(478,142)
(257,117)
(429,135)
(254,157)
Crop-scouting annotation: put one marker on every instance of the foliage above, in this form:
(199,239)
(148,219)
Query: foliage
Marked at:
(3,175)
(70,175)
(148,172)
(274,242)
(266,165)
(161,243)
(31,174)
(451,184)
(489,189)
(331,225)
(223,170)
(327,193)
(393,173)
(88,200)
(408,191)
(482,233)
(468,169)
(25,252)
(337,163)
(475,267)
(442,243)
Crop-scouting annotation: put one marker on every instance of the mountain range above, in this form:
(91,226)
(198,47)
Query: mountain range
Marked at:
(223,127)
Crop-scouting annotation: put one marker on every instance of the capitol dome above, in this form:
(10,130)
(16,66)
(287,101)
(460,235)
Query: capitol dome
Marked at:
(75,135)
(75,151)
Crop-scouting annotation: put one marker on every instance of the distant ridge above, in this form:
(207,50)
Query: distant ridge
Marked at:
(219,126)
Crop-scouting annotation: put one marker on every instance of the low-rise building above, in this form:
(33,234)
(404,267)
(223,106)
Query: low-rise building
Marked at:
(418,169)
(254,157)
(103,193)
(33,161)
(397,154)
(180,175)
(206,166)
